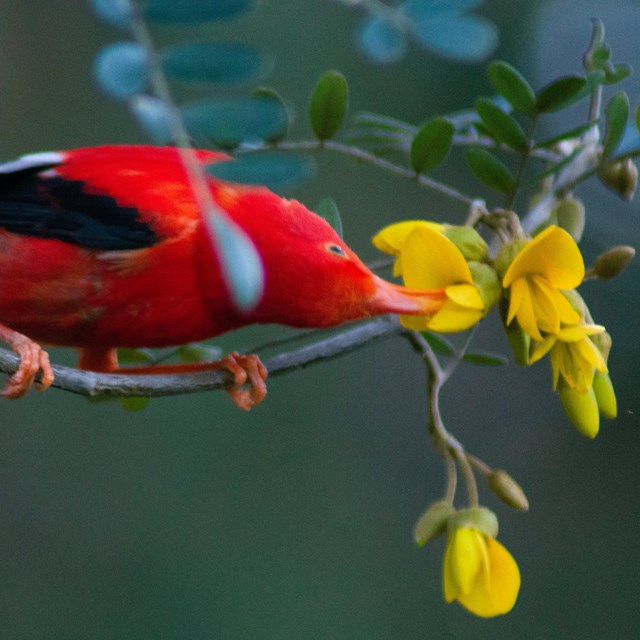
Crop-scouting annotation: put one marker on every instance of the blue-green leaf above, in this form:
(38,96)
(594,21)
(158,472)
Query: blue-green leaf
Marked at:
(439,344)
(118,13)
(121,69)
(194,11)
(328,209)
(239,260)
(275,170)
(130,356)
(467,38)
(230,121)
(154,117)
(228,64)
(380,40)
(198,353)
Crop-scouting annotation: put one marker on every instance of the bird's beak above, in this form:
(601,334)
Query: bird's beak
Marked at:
(394,298)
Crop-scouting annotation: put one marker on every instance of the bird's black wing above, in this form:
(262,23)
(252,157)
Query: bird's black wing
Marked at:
(35,201)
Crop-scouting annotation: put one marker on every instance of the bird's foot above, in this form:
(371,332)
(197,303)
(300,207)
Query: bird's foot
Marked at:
(33,358)
(247,390)
(249,387)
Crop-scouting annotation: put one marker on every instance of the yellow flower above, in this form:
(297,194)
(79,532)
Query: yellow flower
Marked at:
(479,573)
(546,265)
(428,260)
(574,357)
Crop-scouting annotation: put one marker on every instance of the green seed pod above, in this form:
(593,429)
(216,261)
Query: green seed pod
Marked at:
(433,522)
(570,214)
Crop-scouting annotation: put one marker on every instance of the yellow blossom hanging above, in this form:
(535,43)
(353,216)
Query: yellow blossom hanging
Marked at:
(548,264)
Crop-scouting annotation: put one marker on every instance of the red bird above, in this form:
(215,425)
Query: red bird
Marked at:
(105,247)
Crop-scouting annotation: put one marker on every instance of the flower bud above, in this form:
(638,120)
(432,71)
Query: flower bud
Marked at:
(433,522)
(570,214)
(469,242)
(621,177)
(506,255)
(581,409)
(605,395)
(479,518)
(486,280)
(507,489)
(610,263)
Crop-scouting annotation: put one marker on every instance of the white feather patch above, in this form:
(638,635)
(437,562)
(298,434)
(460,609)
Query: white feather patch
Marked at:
(32,161)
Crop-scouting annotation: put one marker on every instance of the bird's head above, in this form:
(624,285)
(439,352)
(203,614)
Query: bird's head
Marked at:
(312,278)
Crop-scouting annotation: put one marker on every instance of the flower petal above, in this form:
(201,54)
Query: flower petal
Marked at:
(524,313)
(392,238)
(432,261)
(544,309)
(466,295)
(453,318)
(499,593)
(554,254)
(462,561)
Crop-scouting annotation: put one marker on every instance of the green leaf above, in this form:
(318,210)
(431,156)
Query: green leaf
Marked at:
(560,93)
(501,126)
(512,86)
(567,135)
(129,356)
(617,117)
(485,359)
(490,171)
(438,344)
(241,264)
(431,145)
(227,64)
(194,11)
(275,170)
(121,69)
(270,94)
(328,209)
(228,121)
(198,353)
(134,404)
(329,104)
(619,73)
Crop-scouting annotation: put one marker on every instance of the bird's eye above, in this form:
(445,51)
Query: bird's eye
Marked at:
(336,249)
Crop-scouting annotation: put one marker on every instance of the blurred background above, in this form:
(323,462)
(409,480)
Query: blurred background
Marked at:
(192,520)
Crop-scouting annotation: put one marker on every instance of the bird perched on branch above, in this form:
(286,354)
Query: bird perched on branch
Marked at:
(106,247)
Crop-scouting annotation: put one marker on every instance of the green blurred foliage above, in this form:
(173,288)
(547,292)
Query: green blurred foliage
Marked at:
(192,520)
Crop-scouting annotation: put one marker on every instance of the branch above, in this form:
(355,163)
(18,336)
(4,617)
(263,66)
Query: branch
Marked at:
(89,383)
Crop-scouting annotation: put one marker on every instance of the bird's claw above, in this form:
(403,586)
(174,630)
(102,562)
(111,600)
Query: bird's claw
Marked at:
(33,359)
(249,387)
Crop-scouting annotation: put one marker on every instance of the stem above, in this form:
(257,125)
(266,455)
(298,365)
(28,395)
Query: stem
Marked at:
(524,158)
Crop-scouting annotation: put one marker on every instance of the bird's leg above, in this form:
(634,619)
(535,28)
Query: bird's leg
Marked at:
(33,358)
(247,390)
